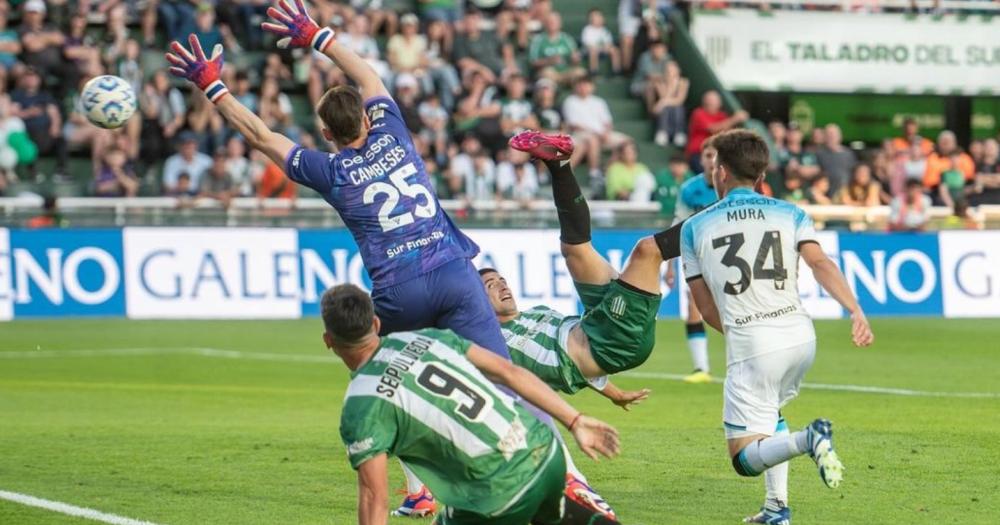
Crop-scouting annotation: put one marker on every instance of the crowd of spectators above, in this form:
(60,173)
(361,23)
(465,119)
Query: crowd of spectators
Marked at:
(467,76)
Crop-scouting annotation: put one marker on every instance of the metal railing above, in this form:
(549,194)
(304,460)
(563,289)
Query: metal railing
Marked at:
(317,213)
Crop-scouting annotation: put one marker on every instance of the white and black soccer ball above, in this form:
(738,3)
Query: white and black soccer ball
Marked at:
(108,101)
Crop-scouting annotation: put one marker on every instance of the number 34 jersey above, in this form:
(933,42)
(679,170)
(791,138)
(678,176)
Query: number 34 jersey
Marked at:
(419,399)
(746,248)
(386,199)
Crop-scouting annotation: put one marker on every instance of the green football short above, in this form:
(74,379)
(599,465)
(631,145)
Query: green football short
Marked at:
(620,322)
(540,503)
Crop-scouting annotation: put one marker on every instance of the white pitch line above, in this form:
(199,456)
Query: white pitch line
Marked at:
(842,388)
(70,510)
(322,359)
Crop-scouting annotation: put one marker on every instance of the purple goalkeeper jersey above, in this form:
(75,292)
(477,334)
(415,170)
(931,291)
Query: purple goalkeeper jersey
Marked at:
(386,199)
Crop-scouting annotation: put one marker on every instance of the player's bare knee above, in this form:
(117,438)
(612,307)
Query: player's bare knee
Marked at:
(646,249)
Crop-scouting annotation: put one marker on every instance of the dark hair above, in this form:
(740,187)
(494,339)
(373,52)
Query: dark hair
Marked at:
(911,183)
(341,109)
(743,153)
(484,271)
(347,313)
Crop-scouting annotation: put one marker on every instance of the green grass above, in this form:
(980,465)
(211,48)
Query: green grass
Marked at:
(178,439)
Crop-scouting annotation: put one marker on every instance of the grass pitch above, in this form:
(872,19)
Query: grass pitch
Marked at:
(174,432)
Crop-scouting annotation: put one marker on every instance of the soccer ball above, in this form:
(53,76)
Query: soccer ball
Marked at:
(108,101)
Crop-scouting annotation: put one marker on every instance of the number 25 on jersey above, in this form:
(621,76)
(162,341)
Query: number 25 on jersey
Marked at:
(392,191)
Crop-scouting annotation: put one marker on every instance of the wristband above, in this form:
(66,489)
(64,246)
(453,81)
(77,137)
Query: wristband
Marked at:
(215,91)
(322,39)
(575,419)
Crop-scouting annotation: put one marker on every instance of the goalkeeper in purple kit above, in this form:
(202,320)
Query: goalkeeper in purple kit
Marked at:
(418,260)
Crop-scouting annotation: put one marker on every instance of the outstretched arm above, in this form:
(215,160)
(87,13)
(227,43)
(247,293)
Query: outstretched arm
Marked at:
(292,22)
(829,277)
(204,72)
(373,491)
(593,436)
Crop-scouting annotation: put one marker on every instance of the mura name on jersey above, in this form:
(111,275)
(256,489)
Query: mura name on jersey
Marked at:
(379,159)
(392,377)
(748,208)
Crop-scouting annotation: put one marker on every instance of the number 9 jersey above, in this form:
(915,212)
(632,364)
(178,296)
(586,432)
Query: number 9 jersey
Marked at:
(745,247)
(383,194)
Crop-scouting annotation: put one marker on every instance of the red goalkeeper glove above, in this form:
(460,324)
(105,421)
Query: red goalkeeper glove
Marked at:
(198,69)
(296,27)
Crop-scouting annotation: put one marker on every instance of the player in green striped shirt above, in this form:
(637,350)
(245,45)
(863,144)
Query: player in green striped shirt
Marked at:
(427,398)
(618,328)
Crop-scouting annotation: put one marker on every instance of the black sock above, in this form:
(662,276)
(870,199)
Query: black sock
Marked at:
(694,328)
(669,242)
(571,205)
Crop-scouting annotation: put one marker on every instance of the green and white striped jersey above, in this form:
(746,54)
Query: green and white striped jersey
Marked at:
(418,398)
(536,339)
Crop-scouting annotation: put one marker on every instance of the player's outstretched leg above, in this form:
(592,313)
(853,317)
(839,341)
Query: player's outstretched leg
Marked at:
(816,440)
(419,502)
(584,263)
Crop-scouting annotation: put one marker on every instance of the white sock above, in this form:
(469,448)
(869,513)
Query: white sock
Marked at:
(571,466)
(761,455)
(698,346)
(776,477)
(413,485)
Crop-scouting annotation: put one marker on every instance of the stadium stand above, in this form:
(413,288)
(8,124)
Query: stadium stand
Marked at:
(460,90)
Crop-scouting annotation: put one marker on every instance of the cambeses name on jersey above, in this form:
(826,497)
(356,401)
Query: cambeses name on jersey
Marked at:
(745,248)
(386,199)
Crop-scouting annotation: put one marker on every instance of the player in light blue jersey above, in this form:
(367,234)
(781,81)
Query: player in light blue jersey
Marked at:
(741,259)
(696,194)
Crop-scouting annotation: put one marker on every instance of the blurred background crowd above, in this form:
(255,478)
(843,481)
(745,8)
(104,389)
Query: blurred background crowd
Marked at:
(466,74)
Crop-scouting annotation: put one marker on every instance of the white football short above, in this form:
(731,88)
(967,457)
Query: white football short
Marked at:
(757,388)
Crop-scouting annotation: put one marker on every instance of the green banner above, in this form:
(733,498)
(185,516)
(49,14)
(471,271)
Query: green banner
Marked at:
(985,117)
(868,117)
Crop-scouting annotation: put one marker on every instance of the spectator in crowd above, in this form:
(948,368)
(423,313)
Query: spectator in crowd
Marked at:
(793,191)
(408,99)
(517,178)
(629,179)
(240,15)
(384,18)
(176,17)
(817,138)
(116,34)
(598,42)
(799,163)
(475,169)
(589,121)
(438,63)
(238,167)
(553,53)
(910,211)
(707,120)
(217,184)
(41,43)
(670,94)
(407,52)
(41,116)
(50,217)
(835,159)
(82,56)
(986,188)
(241,90)
(115,178)
(187,160)
(629,20)
(447,11)
(434,126)
(358,38)
(953,181)
(184,189)
(650,70)
(274,66)
(546,107)
(168,102)
(10,48)
(275,185)
(976,151)
(778,134)
(205,122)
(947,156)
(668,184)
(78,132)
(478,112)
(275,108)
(911,138)
(480,51)
(128,67)
(819,191)
(861,190)
(516,111)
